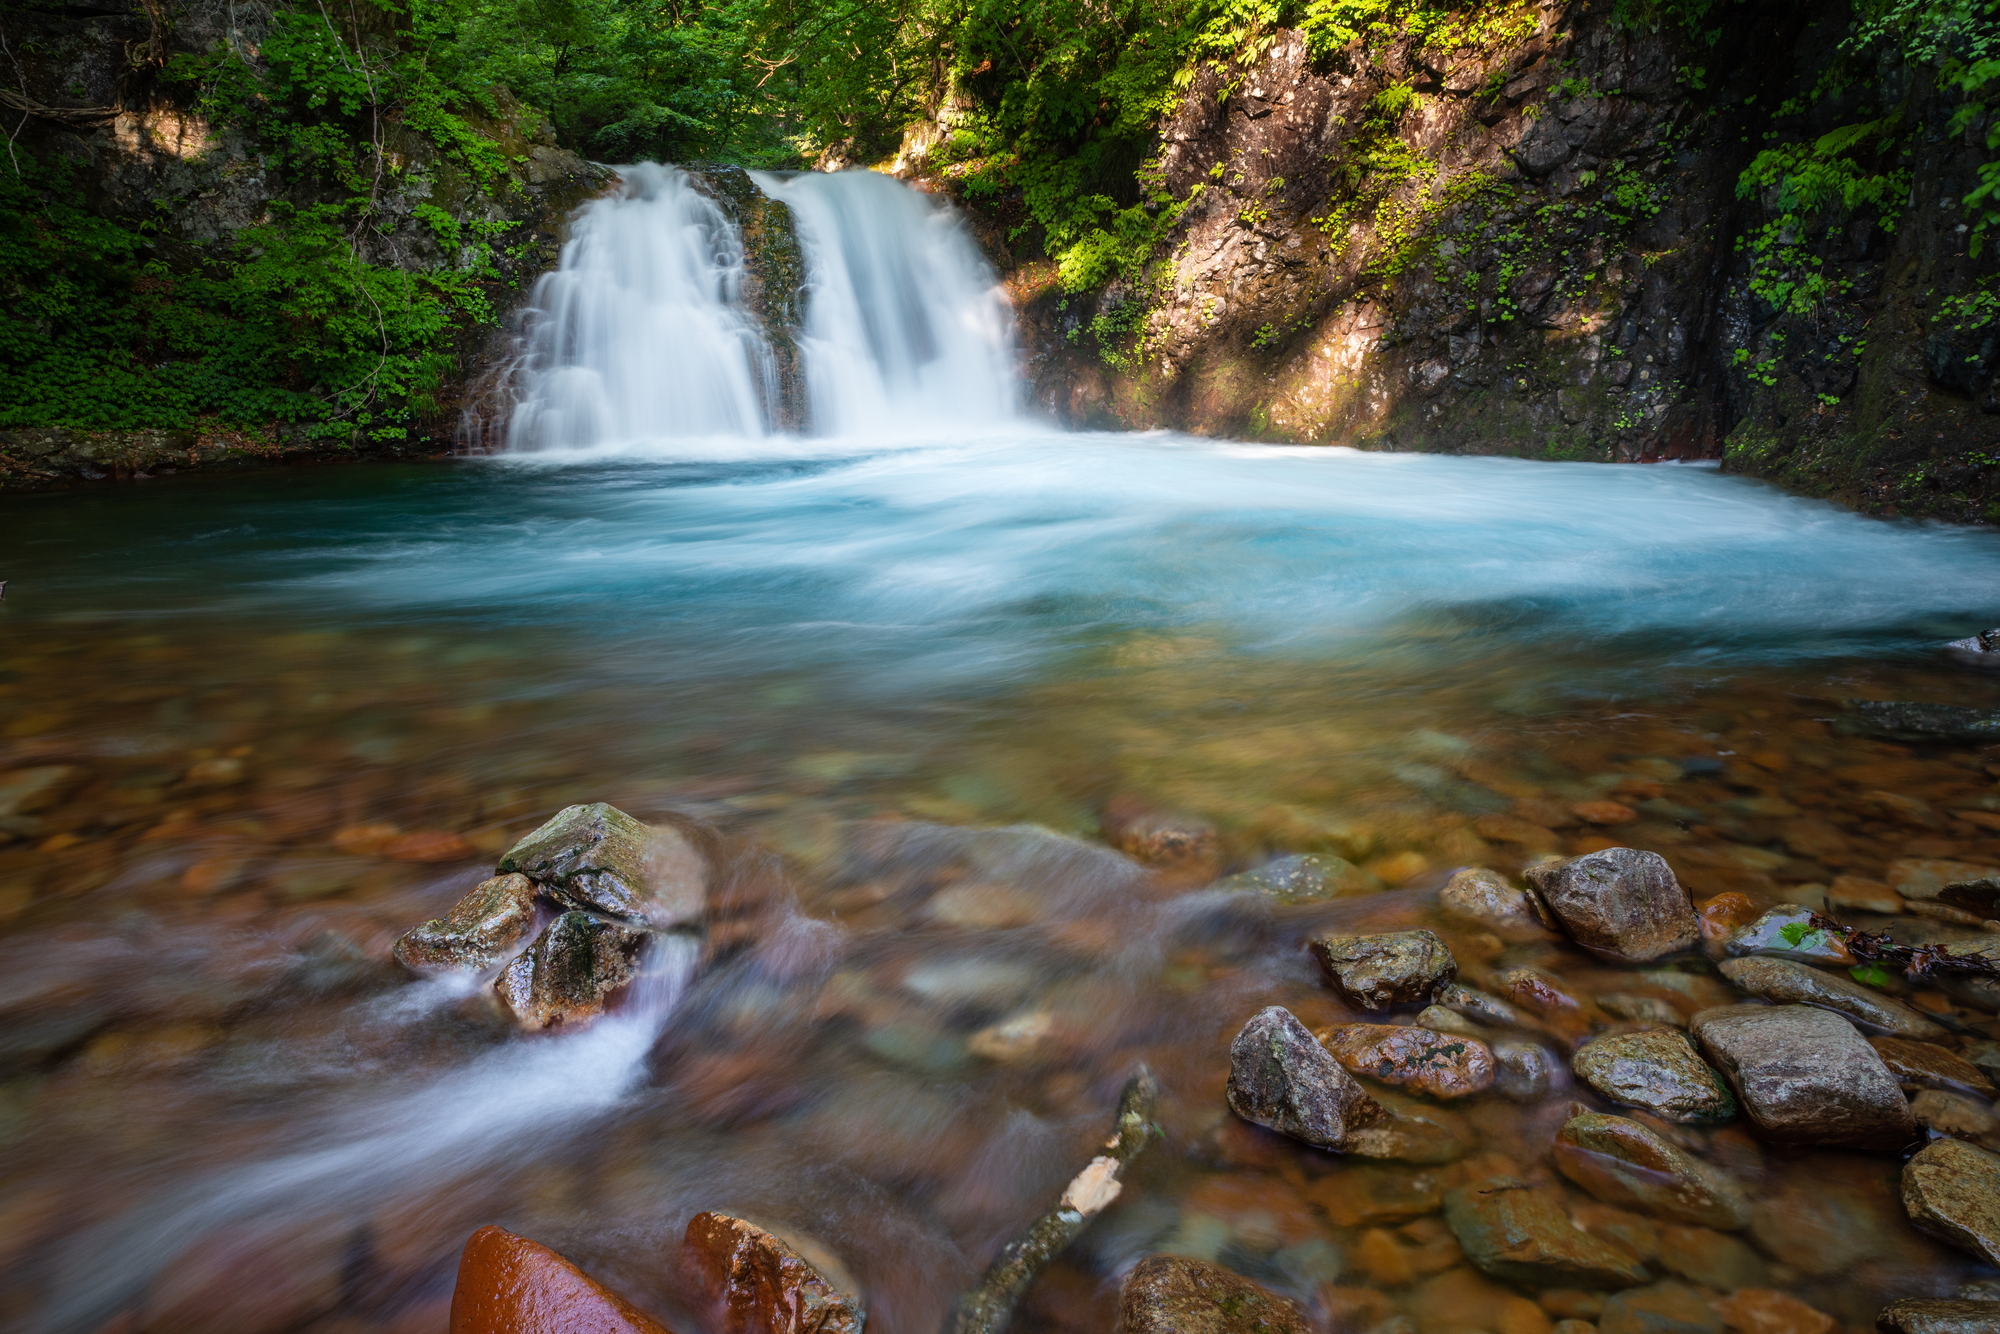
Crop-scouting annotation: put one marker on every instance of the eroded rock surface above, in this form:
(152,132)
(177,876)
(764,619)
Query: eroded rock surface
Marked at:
(479,932)
(570,971)
(1442,1065)
(599,859)
(1523,1235)
(1804,1076)
(1174,1294)
(510,1285)
(1395,968)
(1621,903)
(1621,1162)
(767,1285)
(1657,1070)
(1281,1077)
(1786,983)
(1952,1191)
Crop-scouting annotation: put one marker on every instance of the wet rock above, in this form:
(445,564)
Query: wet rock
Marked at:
(1484,898)
(1958,1116)
(1711,1258)
(1173,1294)
(1537,992)
(1482,1007)
(570,971)
(479,932)
(1657,1070)
(599,859)
(1362,1195)
(1663,1308)
(1525,1071)
(1894,721)
(1162,838)
(1376,972)
(1768,1311)
(510,1285)
(1786,983)
(1281,1077)
(767,1285)
(1523,1235)
(1440,1020)
(1804,1076)
(1413,1058)
(1787,932)
(1919,1315)
(1952,1191)
(1311,877)
(1621,1162)
(1967,886)
(1722,917)
(1620,902)
(1987,641)
(1411,1134)
(1639,1009)
(1927,1065)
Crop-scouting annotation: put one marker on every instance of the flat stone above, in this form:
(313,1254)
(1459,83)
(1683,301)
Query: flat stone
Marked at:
(1786,983)
(599,859)
(1657,1070)
(1281,1077)
(510,1285)
(1927,1065)
(1395,968)
(1525,1071)
(1952,1191)
(570,971)
(1663,1308)
(1958,1116)
(1804,1076)
(1768,1311)
(1176,1294)
(1621,1162)
(479,932)
(1920,1315)
(1479,897)
(1362,1195)
(1522,1235)
(1311,877)
(1941,880)
(765,1284)
(1620,902)
(1768,934)
(1413,1058)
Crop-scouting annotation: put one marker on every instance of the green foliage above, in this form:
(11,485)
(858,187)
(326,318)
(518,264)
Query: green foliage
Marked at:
(1814,189)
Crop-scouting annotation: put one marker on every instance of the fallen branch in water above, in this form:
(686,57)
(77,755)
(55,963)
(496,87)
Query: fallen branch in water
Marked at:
(988,1308)
(1916,960)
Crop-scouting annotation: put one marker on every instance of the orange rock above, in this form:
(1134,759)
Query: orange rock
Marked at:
(764,1285)
(429,845)
(1764,1311)
(1604,812)
(1722,915)
(364,840)
(510,1285)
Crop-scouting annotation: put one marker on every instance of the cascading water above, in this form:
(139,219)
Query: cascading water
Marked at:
(644,333)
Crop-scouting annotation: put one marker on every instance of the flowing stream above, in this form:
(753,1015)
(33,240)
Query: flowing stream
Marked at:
(919,665)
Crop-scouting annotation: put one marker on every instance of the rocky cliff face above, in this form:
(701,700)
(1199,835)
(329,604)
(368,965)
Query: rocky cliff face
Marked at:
(1539,249)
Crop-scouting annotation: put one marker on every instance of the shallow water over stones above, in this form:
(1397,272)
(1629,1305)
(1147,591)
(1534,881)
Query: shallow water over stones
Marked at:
(926,970)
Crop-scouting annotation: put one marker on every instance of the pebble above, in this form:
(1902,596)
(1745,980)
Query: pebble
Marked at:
(1786,983)
(1484,898)
(1804,1076)
(1418,1059)
(1520,1234)
(1855,893)
(1621,1162)
(1618,902)
(479,932)
(1281,1077)
(1176,1294)
(1927,1065)
(1377,972)
(510,1285)
(1710,1258)
(765,1284)
(1525,1071)
(1440,1020)
(1480,1007)
(1662,1308)
(1657,1070)
(1768,1311)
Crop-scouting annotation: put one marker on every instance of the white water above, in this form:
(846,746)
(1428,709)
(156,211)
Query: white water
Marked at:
(642,335)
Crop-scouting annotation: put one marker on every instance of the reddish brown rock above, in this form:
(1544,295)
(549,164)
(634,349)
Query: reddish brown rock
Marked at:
(1927,1065)
(1523,1235)
(765,1285)
(1768,1311)
(1440,1064)
(1173,1294)
(479,931)
(429,845)
(510,1285)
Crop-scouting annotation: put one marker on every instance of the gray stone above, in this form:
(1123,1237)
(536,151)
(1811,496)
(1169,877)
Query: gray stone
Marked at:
(481,931)
(1767,935)
(1311,877)
(1525,1071)
(570,971)
(1919,1315)
(1804,1076)
(1663,1308)
(1987,641)
(599,859)
(1523,1235)
(1658,1071)
(1395,968)
(1952,1191)
(1620,903)
(1621,1162)
(1281,1077)
(1484,898)
(1174,1294)
(1786,983)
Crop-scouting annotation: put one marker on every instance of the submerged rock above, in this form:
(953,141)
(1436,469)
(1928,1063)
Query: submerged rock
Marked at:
(1804,1076)
(1952,1191)
(1485,898)
(570,971)
(1413,1058)
(481,929)
(1768,1311)
(1173,1294)
(1920,1315)
(1482,1007)
(1305,878)
(1663,1308)
(1281,1077)
(1927,1065)
(1787,931)
(1621,1162)
(1411,1134)
(1525,1071)
(1657,1070)
(1620,902)
(1785,983)
(599,859)
(1523,1235)
(1897,721)
(1395,968)
(766,1285)
(1958,1116)
(510,1285)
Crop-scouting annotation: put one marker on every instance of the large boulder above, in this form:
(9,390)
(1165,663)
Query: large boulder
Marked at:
(481,930)
(1804,1076)
(1442,1065)
(1479,897)
(1523,1235)
(763,1284)
(1952,1191)
(1621,1162)
(1173,1294)
(1656,1070)
(510,1285)
(1783,982)
(1281,1077)
(1395,968)
(1620,903)
(570,971)
(599,859)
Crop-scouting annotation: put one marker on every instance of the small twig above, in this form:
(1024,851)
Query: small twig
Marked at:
(988,1308)
(1916,960)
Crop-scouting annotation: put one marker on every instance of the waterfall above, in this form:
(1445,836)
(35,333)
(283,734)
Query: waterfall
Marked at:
(648,330)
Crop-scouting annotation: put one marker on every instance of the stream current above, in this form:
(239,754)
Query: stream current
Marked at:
(917,667)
